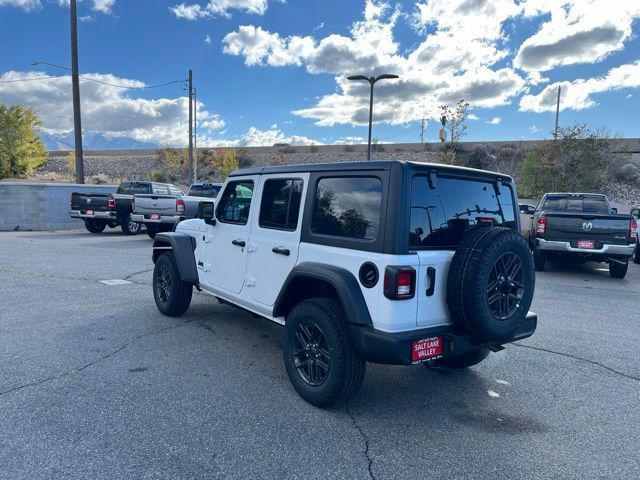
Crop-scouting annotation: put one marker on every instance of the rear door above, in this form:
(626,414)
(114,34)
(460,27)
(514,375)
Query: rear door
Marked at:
(441,212)
(228,239)
(275,238)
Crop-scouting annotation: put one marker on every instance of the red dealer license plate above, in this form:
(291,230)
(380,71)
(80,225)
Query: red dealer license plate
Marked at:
(89,212)
(426,348)
(154,216)
(586,244)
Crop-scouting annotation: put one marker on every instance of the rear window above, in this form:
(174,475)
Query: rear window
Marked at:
(139,188)
(123,188)
(441,215)
(347,207)
(210,191)
(575,203)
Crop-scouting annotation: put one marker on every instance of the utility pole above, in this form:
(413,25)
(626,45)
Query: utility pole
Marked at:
(555,132)
(190,126)
(75,82)
(422,132)
(195,135)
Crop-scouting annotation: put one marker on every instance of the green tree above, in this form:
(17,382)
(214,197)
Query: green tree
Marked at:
(21,151)
(228,163)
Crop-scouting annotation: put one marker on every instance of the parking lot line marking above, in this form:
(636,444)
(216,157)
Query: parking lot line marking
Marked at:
(502,382)
(493,394)
(115,281)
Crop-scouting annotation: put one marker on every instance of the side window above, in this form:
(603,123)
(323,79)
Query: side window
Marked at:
(235,202)
(160,189)
(347,207)
(281,203)
(173,190)
(124,188)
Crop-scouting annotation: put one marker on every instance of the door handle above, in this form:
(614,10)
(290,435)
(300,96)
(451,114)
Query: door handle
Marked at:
(431,275)
(238,243)
(281,251)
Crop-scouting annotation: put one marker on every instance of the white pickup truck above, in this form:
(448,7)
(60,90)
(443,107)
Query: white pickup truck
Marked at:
(162,211)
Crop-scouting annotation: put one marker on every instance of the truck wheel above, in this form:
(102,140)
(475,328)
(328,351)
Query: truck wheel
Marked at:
(539,260)
(94,226)
(128,226)
(491,283)
(152,230)
(617,270)
(466,360)
(319,357)
(171,294)
(636,255)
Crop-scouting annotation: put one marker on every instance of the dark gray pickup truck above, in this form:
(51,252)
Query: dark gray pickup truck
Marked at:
(582,226)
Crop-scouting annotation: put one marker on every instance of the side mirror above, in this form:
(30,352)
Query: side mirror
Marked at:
(614,210)
(206,212)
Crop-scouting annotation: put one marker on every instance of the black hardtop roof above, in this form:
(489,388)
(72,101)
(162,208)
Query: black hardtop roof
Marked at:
(364,165)
(576,194)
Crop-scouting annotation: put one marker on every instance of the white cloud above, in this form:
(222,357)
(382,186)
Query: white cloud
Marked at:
(207,40)
(112,111)
(103,6)
(255,137)
(472,117)
(533,129)
(218,8)
(26,5)
(350,140)
(578,31)
(577,94)
(495,121)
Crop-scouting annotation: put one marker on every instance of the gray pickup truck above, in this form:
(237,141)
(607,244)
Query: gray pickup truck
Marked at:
(162,211)
(583,227)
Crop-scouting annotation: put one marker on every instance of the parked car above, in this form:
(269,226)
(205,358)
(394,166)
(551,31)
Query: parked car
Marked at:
(163,210)
(386,262)
(526,214)
(109,210)
(635,212)
(582,226)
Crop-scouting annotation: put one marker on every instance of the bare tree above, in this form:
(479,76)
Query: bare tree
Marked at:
(455,123)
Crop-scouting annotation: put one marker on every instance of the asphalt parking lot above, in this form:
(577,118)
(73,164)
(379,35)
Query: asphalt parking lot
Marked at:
(95,383)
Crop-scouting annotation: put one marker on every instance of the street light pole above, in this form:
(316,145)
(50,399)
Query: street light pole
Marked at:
(372,81)
(190,126)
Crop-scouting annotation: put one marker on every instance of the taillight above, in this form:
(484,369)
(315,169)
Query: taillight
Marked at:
(179,205)
(399,283)
(541,226)
(633,229)
(111,203)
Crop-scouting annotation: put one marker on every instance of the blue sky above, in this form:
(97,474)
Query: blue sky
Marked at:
(271,71)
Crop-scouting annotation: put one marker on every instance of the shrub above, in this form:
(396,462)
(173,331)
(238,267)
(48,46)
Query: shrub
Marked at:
(71,161)
(228,163)
(278,160)
(349,148)
(377,147)
(244,160)
(158,176)
(479,157)
(21,151)
(446,157)
(100,179)
(628,173)
(313,148)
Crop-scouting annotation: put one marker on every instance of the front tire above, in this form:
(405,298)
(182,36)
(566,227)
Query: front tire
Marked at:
(128,226)
(318,353)
(171,294)
(636,255)
(617,270)
(466,360)
(94,226)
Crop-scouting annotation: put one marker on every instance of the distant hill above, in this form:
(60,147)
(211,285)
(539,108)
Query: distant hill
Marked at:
(92,141)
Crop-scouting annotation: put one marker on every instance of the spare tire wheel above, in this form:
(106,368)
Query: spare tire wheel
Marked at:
(491,283)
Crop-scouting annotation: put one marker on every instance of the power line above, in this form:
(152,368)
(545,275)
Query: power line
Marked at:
(31,79)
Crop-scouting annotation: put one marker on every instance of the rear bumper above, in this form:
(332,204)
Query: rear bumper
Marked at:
(171,219)
(555,246)
(96,215)
(395,348)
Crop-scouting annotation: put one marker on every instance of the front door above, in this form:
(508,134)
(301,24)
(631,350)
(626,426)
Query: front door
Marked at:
(274,242)
(227,250)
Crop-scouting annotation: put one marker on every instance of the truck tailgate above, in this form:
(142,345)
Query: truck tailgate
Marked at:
(161,204)
(89,201)
(601,228)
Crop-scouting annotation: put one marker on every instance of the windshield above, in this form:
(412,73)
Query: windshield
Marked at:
(576,203)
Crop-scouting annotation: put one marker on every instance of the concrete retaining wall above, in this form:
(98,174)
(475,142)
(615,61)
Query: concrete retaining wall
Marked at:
(41,206)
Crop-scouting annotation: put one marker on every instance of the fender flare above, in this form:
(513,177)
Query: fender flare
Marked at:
(182,246)
(342,281)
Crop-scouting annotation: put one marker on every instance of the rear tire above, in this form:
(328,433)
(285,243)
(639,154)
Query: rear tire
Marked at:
(466,360)
(94,226)
(152,230)
(319,357)
(617,270)
(636,255)
(171,294)
(129,227)
(539,260)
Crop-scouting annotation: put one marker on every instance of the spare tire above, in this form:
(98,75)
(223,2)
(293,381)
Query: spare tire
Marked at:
(491,283)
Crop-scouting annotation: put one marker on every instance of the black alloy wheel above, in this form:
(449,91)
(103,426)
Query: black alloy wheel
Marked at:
(163,284)
(311,357)
(505,287)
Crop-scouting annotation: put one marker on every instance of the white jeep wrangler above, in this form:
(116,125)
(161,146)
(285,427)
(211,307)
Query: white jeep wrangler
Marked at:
(388,262)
